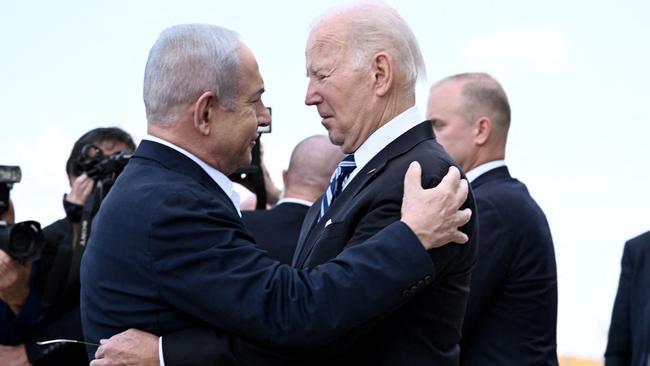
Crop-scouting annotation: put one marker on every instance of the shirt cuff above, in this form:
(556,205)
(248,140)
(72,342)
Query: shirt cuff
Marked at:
(161,360)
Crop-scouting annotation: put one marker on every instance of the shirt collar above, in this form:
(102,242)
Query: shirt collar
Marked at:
(484,168)
(384,136)
(222,180)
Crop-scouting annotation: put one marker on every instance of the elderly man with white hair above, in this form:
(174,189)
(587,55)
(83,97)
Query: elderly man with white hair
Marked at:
(362,62)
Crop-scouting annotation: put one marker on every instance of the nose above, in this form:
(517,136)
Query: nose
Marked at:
(263,115)
(312,97)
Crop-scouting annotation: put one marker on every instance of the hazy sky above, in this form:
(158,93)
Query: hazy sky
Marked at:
(576,74)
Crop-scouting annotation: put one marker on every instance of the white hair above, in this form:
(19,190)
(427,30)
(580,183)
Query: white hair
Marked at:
(186,61)
(375,26)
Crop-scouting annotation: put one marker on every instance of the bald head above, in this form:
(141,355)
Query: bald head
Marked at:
(471,117)
(312,162)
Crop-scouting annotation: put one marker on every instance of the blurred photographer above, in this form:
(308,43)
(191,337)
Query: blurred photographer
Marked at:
(46,301)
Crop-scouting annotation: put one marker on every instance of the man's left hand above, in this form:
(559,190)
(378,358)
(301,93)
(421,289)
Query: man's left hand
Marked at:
(130,348)
(13,356)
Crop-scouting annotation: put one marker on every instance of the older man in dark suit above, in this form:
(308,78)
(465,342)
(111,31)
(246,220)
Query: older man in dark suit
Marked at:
(169,250)
(363,62)
(512,311)
(628,343)
(276,230)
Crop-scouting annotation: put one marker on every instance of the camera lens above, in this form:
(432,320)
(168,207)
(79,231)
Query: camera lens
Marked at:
(25,240)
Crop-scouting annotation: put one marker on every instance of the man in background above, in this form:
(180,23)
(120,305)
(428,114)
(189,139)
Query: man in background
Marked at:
(512,310)
(628,343)
(276,230)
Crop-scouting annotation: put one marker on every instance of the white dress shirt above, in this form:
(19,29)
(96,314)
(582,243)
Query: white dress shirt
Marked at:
(382,137)
(484,168)
(294,200)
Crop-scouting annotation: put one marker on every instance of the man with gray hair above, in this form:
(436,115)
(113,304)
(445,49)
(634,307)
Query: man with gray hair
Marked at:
(169,250)
(512,309)
(363,62)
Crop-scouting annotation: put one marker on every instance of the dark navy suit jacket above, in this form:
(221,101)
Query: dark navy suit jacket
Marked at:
(169,251)
(629,332)
(427,329)
(512,310)
(276,230)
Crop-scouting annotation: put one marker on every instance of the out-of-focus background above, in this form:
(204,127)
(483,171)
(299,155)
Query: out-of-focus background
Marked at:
(576,74)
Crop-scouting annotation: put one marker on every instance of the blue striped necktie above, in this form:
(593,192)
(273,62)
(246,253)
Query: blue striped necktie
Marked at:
(342,172)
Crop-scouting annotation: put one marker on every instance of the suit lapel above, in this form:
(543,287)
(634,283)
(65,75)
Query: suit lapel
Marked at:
(311,227)
(308,225)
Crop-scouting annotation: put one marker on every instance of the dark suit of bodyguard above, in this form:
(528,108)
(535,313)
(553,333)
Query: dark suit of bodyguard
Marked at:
(169,250)
(512,309)
(628,343)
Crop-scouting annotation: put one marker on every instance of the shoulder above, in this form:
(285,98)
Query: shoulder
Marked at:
(638,246)
(509,196)
(433,159)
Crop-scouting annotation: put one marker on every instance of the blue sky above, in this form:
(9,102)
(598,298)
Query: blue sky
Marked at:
(576,74)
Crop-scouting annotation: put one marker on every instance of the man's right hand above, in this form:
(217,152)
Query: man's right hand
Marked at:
(81,189)
(130,348)
(433,214)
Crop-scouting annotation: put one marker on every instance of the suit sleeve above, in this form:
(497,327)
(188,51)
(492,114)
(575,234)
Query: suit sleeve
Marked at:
(14,328)
(218,276)
(618,352)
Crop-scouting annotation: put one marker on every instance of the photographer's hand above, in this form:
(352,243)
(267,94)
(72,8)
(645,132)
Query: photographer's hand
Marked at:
(14,281)
(82,187)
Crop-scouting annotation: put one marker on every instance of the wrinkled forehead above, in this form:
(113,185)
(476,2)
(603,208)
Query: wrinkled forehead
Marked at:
(328,35)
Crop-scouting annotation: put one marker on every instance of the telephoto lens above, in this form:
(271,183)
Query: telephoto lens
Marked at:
(22,241)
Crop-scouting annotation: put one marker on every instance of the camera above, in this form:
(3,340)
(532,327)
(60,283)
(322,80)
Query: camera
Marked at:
(8,176)
(22,241)
(99,167)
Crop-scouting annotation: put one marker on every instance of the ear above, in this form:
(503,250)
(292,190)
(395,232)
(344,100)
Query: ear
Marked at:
(204,109)
(382,67)
(483,130)
(285,177)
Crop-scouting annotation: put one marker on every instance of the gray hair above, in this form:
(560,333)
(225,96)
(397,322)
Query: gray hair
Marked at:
(483,96)
(374,27)
(186,61)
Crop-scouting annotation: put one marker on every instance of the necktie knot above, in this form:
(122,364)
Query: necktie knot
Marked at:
(342,172)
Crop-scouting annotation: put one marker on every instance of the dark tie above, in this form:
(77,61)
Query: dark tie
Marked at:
(346,166)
